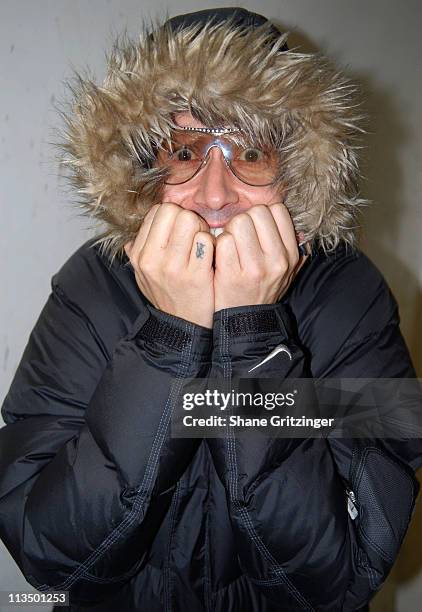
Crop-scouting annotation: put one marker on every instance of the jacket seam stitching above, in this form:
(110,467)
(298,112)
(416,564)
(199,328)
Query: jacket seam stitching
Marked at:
(167,574)
(233,471)
(60,293)
(207,578)
(369,336)
(144,489)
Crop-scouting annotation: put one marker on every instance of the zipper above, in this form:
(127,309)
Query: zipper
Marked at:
(352,507)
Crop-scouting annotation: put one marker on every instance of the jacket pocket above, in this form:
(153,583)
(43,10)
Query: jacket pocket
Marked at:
(384,492)
(380,502)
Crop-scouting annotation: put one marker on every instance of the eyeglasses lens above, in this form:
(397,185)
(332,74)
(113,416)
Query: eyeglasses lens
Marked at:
(252,165)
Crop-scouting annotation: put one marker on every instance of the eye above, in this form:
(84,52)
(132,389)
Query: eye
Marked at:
(184,155)
(252,155)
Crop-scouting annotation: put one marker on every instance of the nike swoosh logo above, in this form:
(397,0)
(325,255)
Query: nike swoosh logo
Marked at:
(281,348)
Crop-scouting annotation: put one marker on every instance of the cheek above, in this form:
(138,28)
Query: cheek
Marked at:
(275,195)
(248,195)
(262,195)
(178,194)
(168,194)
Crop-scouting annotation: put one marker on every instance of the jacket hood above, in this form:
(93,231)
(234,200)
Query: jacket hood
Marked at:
(228,67)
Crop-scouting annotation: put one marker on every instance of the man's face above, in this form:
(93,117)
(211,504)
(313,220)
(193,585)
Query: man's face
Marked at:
(215,193)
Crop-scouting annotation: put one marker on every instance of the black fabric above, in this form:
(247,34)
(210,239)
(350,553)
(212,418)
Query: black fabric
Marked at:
(252,322)
(164,333)
(97,498)
(239,16)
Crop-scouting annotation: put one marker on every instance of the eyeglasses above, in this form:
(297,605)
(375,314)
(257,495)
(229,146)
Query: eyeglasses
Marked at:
(189,152)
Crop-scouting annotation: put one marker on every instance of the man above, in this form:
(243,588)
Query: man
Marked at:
(209,123)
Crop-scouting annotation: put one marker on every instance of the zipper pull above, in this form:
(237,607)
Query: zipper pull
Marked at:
(351,505)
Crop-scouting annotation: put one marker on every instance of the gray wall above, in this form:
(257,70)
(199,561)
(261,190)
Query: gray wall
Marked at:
(379,41)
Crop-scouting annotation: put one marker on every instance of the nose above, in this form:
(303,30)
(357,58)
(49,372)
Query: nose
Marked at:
(216,185)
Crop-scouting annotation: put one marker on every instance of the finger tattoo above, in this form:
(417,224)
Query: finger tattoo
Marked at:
(200,250)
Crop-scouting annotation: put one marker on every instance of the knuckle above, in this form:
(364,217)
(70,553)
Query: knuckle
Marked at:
(295,258)
(278,206)
(225,240)
(283,265)
(260,210)
(146,265)
(255,272)
(204,237)
(239,220)
(188,218)
(169,206)
(170,269)
(275,276)
(151,211)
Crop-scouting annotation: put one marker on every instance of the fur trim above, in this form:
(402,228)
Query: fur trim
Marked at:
(227,74)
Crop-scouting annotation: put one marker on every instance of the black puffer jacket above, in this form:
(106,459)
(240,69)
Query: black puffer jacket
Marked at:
(98,499)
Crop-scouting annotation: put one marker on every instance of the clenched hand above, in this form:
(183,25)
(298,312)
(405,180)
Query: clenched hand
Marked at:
(172,257)
(256,258)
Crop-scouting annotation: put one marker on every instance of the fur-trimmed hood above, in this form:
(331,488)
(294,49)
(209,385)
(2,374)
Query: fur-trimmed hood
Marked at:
(227,73)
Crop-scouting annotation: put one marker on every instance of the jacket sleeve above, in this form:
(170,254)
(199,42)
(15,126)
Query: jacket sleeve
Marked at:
(87,464)
(288,498)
